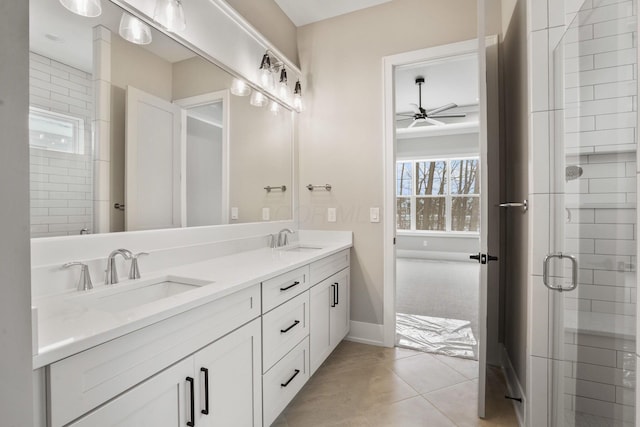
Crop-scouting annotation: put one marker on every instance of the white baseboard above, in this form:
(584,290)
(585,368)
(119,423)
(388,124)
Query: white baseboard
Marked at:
(513,386)
(366,333)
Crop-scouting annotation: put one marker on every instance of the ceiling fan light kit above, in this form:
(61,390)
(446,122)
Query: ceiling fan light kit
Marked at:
(423,116)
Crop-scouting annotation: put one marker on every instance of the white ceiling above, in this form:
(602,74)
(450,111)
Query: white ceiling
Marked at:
(453,80)
(74,44)
(303,12)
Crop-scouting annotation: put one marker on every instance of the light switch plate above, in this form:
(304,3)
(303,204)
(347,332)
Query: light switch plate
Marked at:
(265,214)
(234,213)
(374,214)
(331,214)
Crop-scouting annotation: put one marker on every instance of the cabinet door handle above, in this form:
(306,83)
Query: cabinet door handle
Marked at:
(333,295)
(192,410)
(337,293)
(284,331)
(205,411)
(290,379)
(296,283)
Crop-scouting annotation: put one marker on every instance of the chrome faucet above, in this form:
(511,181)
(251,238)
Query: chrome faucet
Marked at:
(283,236)
(84,282)
(134,271)
(111,273)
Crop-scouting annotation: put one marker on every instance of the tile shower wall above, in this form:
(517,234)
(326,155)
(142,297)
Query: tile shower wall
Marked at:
(61,183)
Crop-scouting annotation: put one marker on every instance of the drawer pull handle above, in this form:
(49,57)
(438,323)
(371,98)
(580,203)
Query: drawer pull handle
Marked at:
(333,296)
(205,411)
(290,379)
(192,409)
(284,331)
(296,283)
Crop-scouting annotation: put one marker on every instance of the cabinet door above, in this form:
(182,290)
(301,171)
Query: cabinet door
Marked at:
(230,380)
(162,401)
(339,307)
(321,297)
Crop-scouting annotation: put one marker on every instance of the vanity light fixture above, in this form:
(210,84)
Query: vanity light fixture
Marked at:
(264,74)
(258,99)
(283,88)
(240,88)
(297,97)
(170,15)
(274,108)
(134,30)
(88,8)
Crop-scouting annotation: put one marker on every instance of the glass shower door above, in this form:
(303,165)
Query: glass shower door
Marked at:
(591,266)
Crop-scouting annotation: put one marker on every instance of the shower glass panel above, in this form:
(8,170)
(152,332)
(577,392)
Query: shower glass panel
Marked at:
(592,343)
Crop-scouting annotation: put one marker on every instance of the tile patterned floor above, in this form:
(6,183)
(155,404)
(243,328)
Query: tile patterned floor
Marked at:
(367,386)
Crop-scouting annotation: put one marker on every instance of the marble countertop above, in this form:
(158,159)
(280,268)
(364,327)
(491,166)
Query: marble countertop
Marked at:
(67,325)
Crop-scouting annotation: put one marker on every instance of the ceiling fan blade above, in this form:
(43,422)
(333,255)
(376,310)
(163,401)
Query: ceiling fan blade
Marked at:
(416,108)
(415,122)
(441,109)
(405,114)
(402,120)
(445,116)
(434,122)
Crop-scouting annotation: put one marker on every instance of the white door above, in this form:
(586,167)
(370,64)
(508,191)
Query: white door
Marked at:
(339,315)
(321,297)
(162,401)
(230,380)
(489,211)
(153,162)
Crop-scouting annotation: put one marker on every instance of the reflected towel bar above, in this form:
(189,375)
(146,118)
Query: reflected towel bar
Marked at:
(312,187)
(280,187)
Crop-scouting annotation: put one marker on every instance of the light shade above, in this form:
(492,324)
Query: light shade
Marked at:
(240,88)
(170,15)
(88,8)
(283,88)
(298,104)
(274,108)
(258,99)
(134,30)
(264,73)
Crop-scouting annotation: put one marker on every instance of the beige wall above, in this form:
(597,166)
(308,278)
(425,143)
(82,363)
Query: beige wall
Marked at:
(267,17)
(341,129)
(15,291)
(515,151)
(131,65)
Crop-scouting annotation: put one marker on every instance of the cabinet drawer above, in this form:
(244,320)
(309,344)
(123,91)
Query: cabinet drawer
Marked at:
(284,381)
(325,267)
(283,328)
(284,287)
(84,381)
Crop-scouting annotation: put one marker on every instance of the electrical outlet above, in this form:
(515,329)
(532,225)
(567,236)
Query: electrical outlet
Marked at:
(265,214)
(331,214)
(234,213)
(424,243)
(374,214)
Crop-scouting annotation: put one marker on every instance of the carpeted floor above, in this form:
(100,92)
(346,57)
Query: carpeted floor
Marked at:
(444,289)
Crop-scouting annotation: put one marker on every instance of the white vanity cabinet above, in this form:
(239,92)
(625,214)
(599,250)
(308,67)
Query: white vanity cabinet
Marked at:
(329,304)
(217,386)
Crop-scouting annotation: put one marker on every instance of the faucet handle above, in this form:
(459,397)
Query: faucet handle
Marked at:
(273,241)
(134,271)
(84,282)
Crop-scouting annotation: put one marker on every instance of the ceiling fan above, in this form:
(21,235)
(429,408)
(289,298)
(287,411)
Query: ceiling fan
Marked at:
(421,115)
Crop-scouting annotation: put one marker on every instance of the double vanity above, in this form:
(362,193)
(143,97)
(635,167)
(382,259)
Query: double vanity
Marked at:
(226,341)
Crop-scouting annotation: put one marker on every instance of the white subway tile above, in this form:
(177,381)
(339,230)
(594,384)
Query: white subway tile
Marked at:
(583,246)
(75,227)
(606,13)
(612,157)
(599,45)
(68,100)
(601,106)
(604,409)
(599,76)
(39,211)
(80,218)
(603,170)
(70,164)
(582,216)
(68,84)
(615,216)
(578,94)
(604,374)
(627,360)
(67,179)
(616,26)
(631,168)
(625,396)
(36,194)
(616,121)
(67,195)
(42,93)
(38,177)
(81,204)
(80,187)
(600,138)
(625,309)
(575,34)
(65,211)
(616,90)
(615,247)
(594,390)
(578,64)
(614,148)
(577,304)
(48,104)
(36,230)
(67,68)
(48,220)
(48,203)
(602,341)
(603,185)
(602,198)
(47,186)
(39,75)
(539,69)
(39,58)
(615,59)
(604,293)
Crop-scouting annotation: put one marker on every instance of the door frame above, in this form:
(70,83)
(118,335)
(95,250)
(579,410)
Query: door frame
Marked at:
(197,101)
(390,63)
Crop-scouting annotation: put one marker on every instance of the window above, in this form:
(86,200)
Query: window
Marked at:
(438,195)
(55,131)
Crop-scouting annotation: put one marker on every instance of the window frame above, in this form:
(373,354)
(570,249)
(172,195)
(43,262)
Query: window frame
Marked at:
(79,127)
(447,196)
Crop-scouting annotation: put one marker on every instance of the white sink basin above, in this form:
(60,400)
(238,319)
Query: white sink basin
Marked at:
(126,296)
(300,249)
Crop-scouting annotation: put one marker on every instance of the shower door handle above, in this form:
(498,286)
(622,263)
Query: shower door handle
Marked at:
(574,272)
